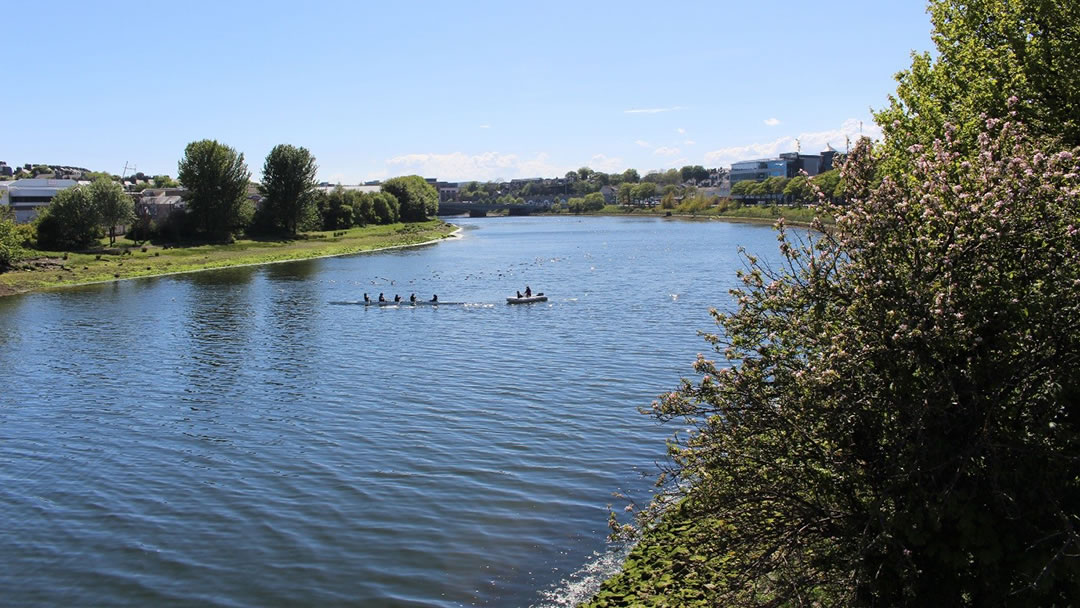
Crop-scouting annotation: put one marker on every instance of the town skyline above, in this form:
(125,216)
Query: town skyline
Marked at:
(531,97)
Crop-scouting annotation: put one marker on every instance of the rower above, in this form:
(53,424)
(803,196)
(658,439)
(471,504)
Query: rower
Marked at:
(367,300)
(412,299)
(382,298)
(435,298)
(397,298)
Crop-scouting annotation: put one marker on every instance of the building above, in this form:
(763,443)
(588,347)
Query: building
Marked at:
(327,188)
(28,196)
(5,170)
(158,203)
(788,164)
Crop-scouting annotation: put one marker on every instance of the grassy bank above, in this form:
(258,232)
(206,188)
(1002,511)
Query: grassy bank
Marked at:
(126,260)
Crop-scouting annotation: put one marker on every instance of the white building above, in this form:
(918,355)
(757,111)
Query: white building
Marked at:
(28,196)
(328,188)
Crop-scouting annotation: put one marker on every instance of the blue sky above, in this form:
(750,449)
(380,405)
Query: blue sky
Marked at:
(463,90)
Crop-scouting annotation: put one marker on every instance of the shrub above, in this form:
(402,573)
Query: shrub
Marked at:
(898,423)
(10,244)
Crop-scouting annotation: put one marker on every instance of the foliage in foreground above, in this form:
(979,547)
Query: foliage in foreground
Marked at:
(896,420)
(987,52)
(682,562)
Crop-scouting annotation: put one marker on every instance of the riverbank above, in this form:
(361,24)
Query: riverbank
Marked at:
(682,562)
(793,216)
(126,260)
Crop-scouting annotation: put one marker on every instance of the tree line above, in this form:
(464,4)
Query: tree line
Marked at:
(218,204)
(799,188)
(584,181)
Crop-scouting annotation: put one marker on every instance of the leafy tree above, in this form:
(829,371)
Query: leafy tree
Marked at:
(694,173)
(386,207)
(631,176)
(417,199)
(987,52)
(774,185)
(10,243)
(584,187)
(164,181)
(741,187)
(114,206)
(799,189)
(364,209)
(584,173)
(216,179)
(625,193)
(339,209)
(594,201)
(828,184)
(576,205)
(894,419)
(668,201)
(288,184)
(41,170)
(644,190)
(71,221)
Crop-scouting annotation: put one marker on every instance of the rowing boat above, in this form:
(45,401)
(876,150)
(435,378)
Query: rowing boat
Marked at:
(529,300)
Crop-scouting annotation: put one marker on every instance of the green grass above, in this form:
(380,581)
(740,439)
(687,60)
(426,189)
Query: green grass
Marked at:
(127,260)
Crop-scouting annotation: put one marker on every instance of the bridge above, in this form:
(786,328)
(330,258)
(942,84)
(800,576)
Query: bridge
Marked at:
(475,209)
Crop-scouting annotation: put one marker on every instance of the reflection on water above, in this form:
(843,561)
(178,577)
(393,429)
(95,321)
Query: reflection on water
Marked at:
(236,438)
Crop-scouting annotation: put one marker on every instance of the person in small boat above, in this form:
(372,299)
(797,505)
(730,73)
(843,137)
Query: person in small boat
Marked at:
(367,300)
(435,297)
(412,299)
(397,297)
(382,298)
(528,291)
(519,294)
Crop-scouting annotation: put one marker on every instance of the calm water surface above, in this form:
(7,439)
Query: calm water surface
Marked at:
(252,437)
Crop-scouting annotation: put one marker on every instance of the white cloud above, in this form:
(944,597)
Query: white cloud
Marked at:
(458,166)
(601,162)
(485,126)
(689,142)
(809,142)
(772,122)
(643,143)
(653,110)
(666,151)
(681,131)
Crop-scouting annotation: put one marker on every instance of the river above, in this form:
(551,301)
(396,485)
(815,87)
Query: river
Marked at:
(253,437)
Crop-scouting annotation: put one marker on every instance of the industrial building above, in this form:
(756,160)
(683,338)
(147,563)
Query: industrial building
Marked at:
(788,164)
(28,196)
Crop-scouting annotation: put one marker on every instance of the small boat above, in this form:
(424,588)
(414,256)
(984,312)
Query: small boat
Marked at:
(527,300)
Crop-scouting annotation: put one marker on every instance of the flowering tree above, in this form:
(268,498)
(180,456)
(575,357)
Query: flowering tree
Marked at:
(894,420)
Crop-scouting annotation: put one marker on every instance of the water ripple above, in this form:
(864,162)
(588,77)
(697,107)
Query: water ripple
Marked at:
(244,438)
